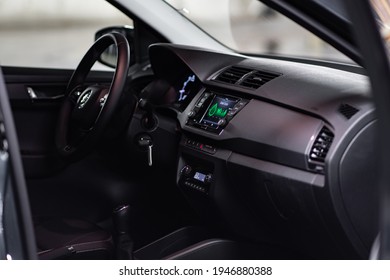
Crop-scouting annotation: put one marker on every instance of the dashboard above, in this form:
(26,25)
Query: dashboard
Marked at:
(277,151)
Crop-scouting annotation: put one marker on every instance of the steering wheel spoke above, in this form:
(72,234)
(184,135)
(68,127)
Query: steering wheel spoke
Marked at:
(74,95)
(103,100)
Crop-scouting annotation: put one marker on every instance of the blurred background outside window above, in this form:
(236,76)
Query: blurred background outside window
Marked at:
(52,33)
(248,26)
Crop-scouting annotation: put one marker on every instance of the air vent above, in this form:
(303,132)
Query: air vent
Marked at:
(347,110)
(321,145)
(257,79)
(232,75)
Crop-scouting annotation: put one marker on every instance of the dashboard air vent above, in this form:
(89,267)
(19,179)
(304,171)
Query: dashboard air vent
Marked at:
(321,145)
(232,75)
(347,110)
(257,79)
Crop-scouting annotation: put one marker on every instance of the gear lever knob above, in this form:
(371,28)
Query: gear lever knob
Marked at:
(121,218)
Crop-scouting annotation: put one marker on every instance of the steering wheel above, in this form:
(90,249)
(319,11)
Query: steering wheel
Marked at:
(87,110)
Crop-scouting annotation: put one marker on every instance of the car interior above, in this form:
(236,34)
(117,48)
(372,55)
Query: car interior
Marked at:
(189,153)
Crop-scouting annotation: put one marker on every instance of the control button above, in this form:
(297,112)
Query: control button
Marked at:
(191,114)
(186,170)
(200,146)
(232,112)
(208,179)
(202,100)
(209,149)
(222,122)
(241,104)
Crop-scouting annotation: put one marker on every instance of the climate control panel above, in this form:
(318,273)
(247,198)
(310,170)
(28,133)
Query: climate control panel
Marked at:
(195,178)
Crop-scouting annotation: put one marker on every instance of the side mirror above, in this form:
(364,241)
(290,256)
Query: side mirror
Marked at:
(109,56)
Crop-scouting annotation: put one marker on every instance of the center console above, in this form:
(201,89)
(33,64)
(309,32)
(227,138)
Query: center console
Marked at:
(201,167)
(199,157)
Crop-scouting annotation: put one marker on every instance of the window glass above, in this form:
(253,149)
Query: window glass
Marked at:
(248,26)
(52,33)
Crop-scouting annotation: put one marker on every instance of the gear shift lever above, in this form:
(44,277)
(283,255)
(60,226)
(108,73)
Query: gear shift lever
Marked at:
(124,242)
(121,216)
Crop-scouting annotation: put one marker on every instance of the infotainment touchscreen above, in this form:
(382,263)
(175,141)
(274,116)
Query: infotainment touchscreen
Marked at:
(213,111)
(218,110)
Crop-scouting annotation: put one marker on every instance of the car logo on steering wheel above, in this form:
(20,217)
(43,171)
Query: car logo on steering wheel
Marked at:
(84,99)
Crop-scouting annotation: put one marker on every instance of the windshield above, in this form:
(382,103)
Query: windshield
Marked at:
(248,26)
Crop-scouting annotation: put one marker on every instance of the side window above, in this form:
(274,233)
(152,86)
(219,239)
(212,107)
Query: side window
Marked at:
(52,33)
